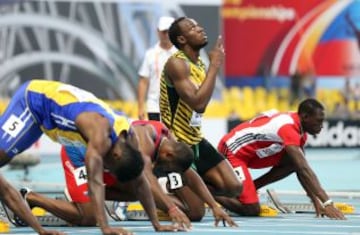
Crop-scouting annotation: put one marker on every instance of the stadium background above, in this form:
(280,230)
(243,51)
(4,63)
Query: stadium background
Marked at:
(98,45)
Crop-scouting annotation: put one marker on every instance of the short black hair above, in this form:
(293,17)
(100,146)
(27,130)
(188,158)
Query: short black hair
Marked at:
(175,31)
(184,156)
(130,165)
(309,106)
(180,162)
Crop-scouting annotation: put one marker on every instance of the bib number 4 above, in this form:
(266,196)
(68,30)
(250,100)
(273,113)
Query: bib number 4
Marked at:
(80,175)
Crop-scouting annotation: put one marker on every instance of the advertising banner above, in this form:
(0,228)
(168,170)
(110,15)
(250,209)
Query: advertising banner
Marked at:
(337,134)
(281,37)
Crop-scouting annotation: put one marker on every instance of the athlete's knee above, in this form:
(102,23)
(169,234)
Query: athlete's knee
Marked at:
(195,215)
(233,188)
(88,220)
(86,216)
(251,209)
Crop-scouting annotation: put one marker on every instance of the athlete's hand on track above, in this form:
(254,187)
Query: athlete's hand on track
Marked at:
(115,231)
(178,217)
(51,232)
(221,215)
(332,212)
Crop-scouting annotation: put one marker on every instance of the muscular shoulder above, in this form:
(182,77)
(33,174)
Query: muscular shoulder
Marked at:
(176,65)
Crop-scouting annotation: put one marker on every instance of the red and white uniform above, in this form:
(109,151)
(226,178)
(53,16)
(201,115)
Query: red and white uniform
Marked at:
(73,162)
(260,143)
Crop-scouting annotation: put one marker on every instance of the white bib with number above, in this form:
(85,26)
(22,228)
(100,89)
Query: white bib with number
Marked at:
(80,175)
(13,126)
(239,173)
(175,180)
(195,119)
(269,151)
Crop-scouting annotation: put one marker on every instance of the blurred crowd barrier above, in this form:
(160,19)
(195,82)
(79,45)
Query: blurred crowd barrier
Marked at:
(245,102)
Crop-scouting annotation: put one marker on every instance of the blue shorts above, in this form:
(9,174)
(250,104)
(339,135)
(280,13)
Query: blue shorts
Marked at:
(19,129)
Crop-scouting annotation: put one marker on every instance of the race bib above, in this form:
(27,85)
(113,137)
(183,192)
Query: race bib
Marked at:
(269,151)
(195,119)
(80,94)
(13,126)
(239,173)
(80,175)
(175,180)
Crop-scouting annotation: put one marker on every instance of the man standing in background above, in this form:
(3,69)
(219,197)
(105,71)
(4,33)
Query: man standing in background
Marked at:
(150,72)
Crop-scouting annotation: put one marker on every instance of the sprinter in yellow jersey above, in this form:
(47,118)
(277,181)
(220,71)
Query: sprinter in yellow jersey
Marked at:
(74,117)
(185,90)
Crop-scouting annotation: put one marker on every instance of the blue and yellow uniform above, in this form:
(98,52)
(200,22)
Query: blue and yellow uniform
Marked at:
(51,107)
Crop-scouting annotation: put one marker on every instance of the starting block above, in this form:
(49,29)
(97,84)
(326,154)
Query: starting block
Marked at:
(51,221)
(116,210)
(4,227)
(345,208)
(309,207)
(135,211)
(267,211)
(37,211)
(44,218)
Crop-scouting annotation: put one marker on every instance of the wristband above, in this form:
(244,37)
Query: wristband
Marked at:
(327,203)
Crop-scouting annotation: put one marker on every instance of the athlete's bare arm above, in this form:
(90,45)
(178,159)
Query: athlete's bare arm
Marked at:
(197,185)
(163,200)
(309,180)
(178,73)
(12,198)
(143,191)
(96,129)
(278,172)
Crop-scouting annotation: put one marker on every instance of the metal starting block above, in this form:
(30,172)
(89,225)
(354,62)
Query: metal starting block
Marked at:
(135,211)
(309,207)
(44,218)
(265,211)
(303,207)
(51,221)
(4,226)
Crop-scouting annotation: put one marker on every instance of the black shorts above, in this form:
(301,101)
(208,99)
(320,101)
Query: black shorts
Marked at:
(206,157)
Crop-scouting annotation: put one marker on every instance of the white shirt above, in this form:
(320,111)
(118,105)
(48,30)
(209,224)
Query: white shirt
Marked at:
(151,68)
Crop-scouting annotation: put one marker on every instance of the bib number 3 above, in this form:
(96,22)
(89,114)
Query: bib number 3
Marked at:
(175,180)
